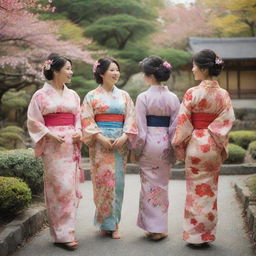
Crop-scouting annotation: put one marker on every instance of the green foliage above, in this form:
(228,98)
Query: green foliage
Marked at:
(85,151)
(176,57)
(82,86)
(252,149)
(88,11)
(242,138)
(251,184)
(10,136)
(236,154)
(14,100)
(116,30)
(15,195)
(22,163)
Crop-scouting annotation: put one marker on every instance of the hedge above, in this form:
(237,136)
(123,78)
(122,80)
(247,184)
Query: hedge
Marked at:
(252,149)
(21,163)
(15,195)
(236,154)
(242,138)
(251,184)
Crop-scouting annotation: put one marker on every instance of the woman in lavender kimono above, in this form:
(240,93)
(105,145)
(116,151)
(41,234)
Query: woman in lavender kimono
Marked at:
(201,138)
(108,120)
(54,125)
(156,109)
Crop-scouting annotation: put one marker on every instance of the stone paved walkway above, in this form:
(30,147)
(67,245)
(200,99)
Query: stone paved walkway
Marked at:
(231,240)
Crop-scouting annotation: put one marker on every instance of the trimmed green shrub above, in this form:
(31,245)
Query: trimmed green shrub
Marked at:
(236,154)
(21,163)
(251,184)
(252,149)
(242,138)
(15,195)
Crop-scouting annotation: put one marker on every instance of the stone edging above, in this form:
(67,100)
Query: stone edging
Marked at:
(178,173)
(249,207)
(21,228)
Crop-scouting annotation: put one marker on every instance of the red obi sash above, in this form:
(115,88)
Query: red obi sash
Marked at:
(109,118)
(59,119)
(202,120)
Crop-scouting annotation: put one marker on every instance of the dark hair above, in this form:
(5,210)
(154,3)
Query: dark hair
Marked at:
(207,59)
(55,63)
(101,66)
(155,65)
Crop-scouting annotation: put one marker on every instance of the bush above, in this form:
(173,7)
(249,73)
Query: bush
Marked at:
(251,184)
(22,164)
(252,149)
(236,154)
(242,138)
(15,195)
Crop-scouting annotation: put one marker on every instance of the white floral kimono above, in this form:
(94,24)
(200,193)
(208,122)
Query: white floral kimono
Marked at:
(61,161)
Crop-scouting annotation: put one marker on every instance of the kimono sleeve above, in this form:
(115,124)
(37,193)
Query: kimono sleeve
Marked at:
(89,126)
(138,142)
(35,123)
(184,128)
(78,126)
(221,126)
(130,127)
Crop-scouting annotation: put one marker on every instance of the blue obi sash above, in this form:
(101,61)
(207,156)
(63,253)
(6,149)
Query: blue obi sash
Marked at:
(158,121)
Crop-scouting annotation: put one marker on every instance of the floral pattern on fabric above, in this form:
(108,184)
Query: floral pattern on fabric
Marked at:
(203,151)
(107,167)
(152,146)
(61,161)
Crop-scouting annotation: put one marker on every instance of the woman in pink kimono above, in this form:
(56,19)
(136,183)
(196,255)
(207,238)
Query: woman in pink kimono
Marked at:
(156,109)
(201,138)
(54,125)
(108,120)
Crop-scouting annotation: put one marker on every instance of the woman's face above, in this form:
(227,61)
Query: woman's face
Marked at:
(111,76)
(65,74)
(199,74)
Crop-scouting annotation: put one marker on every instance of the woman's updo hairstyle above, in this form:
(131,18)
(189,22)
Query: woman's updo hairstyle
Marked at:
(207,59)
(155,65)
(101,66)
(54,62)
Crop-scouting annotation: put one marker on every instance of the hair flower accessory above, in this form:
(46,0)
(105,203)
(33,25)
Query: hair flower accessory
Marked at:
(167,64)
(218,61)
(47,64)
(96,64)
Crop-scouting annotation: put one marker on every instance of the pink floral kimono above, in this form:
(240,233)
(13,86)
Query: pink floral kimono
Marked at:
(156,110)
(201,138)
(107,167)
(61,161)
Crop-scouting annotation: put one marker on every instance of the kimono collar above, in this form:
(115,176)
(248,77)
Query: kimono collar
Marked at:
(101,89)
(158,88)
(210,84)
(49,86)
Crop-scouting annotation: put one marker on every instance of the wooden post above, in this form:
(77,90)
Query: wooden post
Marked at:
(238,84)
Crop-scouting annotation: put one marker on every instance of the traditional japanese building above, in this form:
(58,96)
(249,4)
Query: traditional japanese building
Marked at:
(239,55)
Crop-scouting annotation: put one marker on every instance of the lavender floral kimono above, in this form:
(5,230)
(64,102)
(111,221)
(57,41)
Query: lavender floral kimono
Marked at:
(152,145)
(61,161)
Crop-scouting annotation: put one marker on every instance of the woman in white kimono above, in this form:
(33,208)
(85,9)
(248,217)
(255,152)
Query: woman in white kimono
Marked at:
(55,127)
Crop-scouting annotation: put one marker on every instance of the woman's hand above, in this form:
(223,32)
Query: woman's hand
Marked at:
(106,142)
(59,139)
(76,137)
(119,142)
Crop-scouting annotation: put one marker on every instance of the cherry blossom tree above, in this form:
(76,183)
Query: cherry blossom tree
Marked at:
(25,41)
(177,23)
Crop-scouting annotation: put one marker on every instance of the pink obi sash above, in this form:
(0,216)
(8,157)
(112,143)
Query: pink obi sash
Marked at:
(59,119)
(202,120)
